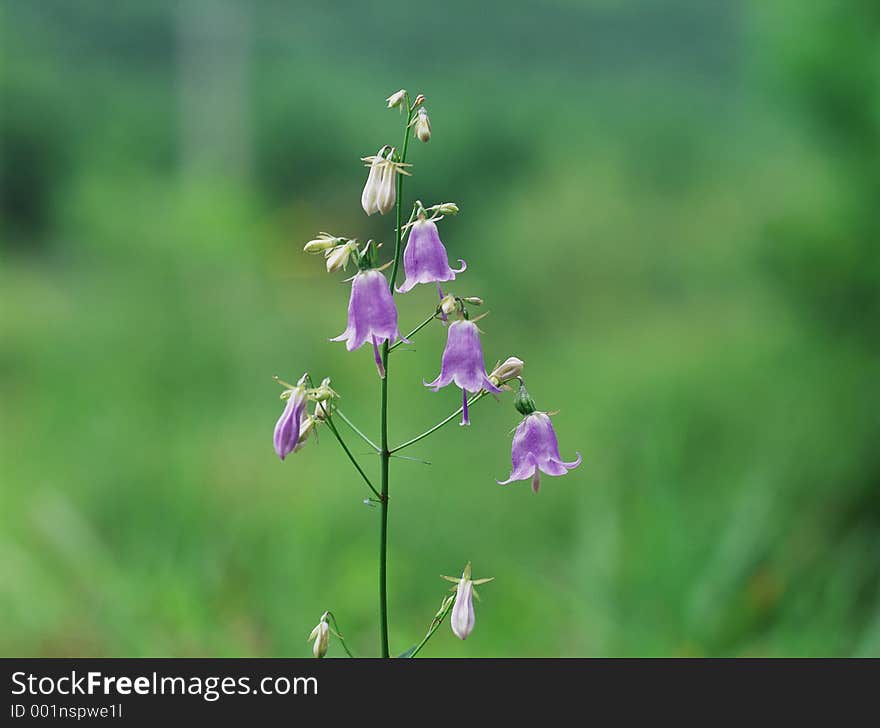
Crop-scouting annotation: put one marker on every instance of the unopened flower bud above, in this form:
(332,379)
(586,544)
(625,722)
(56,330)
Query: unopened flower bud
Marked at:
(448,304)
(473,300)
(510,368)
(423,125)
(321,635)
(447,208)
(396,98)
(323,242)
(420,99)
(523,401)
(338,257)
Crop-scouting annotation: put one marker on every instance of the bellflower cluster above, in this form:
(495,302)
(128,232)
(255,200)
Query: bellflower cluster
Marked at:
(373,318)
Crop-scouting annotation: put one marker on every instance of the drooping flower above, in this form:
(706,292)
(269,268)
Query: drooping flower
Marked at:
(425,259)
(535,450)
(321,635)
(462,618)
(396,98)
(380,191)
(372,315)
(463,364)
(423,125)
(289,425)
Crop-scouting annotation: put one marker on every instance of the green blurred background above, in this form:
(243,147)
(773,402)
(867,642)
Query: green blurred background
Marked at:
(671,210)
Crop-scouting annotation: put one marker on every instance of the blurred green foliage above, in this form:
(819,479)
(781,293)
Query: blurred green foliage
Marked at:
(670,209)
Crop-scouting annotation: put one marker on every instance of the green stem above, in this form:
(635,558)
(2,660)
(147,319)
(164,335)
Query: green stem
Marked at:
(357,431)
(384,453)
(438,620)
(347,451)
(472,400)
(414,331)
(339,634)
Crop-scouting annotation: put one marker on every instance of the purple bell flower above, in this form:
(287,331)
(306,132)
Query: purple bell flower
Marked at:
(289,425)
(462,363)
(372,315)
(425,259)
(535,449)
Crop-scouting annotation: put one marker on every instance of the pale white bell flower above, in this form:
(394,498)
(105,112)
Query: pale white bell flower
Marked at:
(321,635)
(423,125)
(396,98)
(380,190)
(462,617)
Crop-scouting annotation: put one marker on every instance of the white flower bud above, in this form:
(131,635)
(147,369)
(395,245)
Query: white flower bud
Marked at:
(510,368)
(323,242)
(321,635)
(423,125)
(396,98)
(338,257)
(473,300)
(447,208)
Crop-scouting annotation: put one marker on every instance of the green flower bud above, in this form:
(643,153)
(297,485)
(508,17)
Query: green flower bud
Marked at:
(523,401)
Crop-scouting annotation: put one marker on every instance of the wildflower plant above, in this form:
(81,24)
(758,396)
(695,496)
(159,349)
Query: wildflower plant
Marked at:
(373,320)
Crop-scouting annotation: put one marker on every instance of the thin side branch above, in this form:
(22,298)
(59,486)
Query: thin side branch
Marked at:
(357,431)
(348,452)
(471,401)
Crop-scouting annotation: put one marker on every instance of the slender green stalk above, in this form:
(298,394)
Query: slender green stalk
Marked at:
(384,453)
(348,452)
(447,420)
(435,624)
(339,634)
(357,431)
(414,331)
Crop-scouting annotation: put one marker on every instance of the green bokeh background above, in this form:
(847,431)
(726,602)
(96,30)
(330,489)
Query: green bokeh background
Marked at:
(671,210)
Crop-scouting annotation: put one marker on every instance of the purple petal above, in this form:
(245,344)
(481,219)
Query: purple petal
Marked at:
(378,357)
(288,426)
